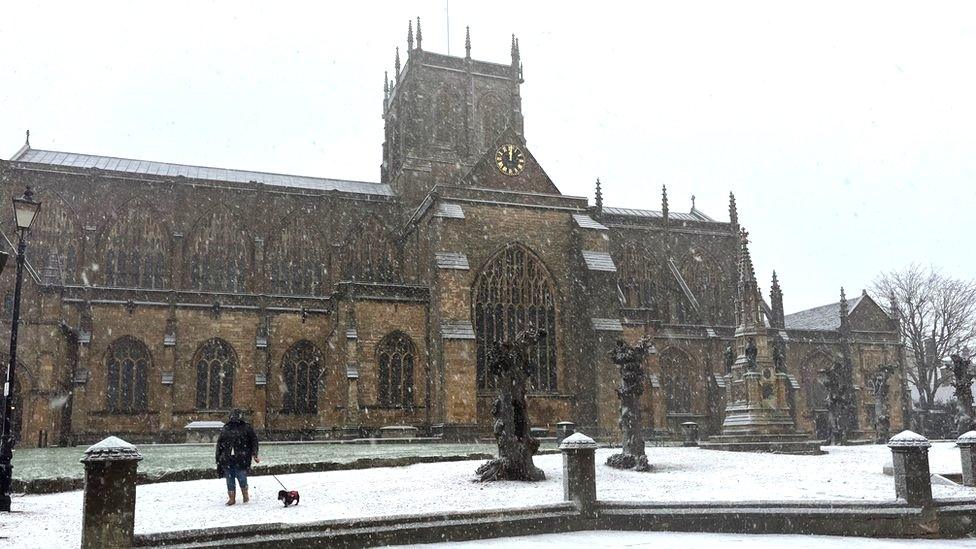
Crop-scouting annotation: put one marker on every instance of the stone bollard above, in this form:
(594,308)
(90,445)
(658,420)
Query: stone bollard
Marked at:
(579,472)
(564,429)
(910,460)
(967,451)
(109,511)
(690,431)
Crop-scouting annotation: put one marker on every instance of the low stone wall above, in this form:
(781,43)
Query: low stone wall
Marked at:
(51,485)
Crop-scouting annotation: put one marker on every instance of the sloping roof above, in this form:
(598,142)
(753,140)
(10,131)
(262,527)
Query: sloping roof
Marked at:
(695,215)
(824,317)
(449,210)
(587,222)
(457,329)
(165,169)
(451,260)
(607,324)
(599,261)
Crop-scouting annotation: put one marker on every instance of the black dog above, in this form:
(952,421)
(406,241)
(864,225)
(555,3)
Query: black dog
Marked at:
(287,497)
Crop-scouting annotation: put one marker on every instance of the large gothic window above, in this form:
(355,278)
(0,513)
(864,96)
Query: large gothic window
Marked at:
(127,366)
(218,253)
(637,278)
(706,280)
(369,254)
(215,362)
(296,261)
(301,368)
(676,372)
(134,249)
(395,356)
(53,249)
(494,118)
(447,117)
(513,292)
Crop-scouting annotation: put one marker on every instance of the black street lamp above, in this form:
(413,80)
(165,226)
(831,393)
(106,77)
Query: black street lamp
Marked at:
(25,210)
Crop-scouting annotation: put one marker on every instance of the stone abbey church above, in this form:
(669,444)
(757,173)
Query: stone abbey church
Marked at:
(158,294)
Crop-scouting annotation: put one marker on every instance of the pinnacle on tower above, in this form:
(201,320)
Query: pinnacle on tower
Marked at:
(844,311)
(516,58)
(420,36)
(396,65)
(692,203)
(776,304)
(733,212)
(467,42)
(749,300)
(664,201)
(409,35)
(386,85)
(893,304)
(27,141)
(599,196)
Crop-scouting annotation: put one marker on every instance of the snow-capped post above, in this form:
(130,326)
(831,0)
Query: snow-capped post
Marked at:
(967,451)
(564,429)
(630,359)
(109,511)
(510,367)
(910,457)
(579,471)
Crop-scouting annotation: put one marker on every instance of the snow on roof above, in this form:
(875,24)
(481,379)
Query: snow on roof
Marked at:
(695,215)
(587,222)
(599,261)
(824,317)
(967,438)
(165,169)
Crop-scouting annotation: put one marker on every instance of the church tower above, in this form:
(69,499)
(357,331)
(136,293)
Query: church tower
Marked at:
(441,113)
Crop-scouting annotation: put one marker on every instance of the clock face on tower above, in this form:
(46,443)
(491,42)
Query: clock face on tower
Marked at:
(510,160)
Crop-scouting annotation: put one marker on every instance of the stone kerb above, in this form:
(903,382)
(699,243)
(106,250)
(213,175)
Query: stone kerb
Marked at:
(910,460)
(967,452)
(109,508)
(579,472)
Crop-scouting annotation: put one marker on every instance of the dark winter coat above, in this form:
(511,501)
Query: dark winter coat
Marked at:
(236,446)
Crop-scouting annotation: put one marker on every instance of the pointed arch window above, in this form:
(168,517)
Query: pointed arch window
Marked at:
(301,368)
(215,362)
(127,364)
(637,278)
(54,239)
(447,116)
(369,254)
(395,356)
(218,253)
(297,261)
(494,118)
(133,249)
(676,379)
(514,291)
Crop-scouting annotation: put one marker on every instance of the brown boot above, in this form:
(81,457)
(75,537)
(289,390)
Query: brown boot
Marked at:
(231,498)
(244,493)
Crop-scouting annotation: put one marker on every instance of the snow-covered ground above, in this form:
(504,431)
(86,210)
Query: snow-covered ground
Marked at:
(681,474)
(600,540)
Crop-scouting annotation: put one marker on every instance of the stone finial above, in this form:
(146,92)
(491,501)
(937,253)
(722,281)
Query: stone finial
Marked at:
(664,201)
(692,203)
(386,84)
(396,65)
(909,439)
(409,35)
(516,56)
(577,441)
(27,140)
(733,213)
(420,36)
(599,196)
(467,42)
(776,303)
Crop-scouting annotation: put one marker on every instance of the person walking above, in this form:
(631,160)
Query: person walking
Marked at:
(236,446)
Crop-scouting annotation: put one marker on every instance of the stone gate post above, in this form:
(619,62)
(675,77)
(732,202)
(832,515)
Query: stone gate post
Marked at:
(967,451)
(579,471)
(910,458)
(109,512)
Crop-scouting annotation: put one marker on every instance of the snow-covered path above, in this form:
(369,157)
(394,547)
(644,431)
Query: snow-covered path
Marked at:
(681,474)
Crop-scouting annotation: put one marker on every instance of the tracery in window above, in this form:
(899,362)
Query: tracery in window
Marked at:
(296,260)
(514,291)
(369,254)
(395,357)
(215,362)
(218,253)
(133,249)
(447,117)
(54,239)
(301,368)
(127,364)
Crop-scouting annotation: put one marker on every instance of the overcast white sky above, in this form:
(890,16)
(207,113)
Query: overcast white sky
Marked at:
(845,129)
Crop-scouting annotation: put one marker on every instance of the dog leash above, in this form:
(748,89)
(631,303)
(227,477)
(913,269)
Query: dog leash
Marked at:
(279,482)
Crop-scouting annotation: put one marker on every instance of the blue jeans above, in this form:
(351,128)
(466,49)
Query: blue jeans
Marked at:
(231,472)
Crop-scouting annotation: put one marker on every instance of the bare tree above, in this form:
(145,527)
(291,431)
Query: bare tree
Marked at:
(937,315)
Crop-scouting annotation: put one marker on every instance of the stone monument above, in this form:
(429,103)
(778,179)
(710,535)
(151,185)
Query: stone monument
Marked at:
(630,359)
(882,408)
(962,382)
(509,366)
(757,413)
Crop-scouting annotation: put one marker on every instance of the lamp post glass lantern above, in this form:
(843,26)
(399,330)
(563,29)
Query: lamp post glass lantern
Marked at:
(25,210)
